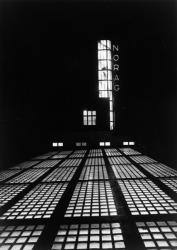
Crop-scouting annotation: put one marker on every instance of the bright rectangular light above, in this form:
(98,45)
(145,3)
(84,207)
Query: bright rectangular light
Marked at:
(54,144)
(101,143)
(131,143)
(60,144)
(78,144)
(125,143)
(107,144)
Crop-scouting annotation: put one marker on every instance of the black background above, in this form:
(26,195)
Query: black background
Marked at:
(48,72)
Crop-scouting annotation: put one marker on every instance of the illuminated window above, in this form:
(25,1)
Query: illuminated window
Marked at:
(79,144)
(95,153)
(94,173)
(4,175)
(47,164)
(89,117)
(60,174)
(158,235)
(143,197)
(95,161)
(61,155)
(78,154)
(159,170)
(71,163)
(89,236)
(55,144)
(105,76)
(92,198)
(130,143)
(142,159)
(171,183)
(40,202)
(112,152)
(8,192)
(129,151)
(25,165)
(19,237)
(118,160)
(29,176)
(105,144)
(127,172)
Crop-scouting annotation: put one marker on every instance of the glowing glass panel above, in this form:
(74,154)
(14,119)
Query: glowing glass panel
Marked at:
(127,172)
(95,153)
(142,159)
(28,176)
(129,151)
(143,197)
(105,75)
(171,183)
(5,174)
(40,202)
(47,164)
(21,237)
(92,198)
(8,192)
(95,161)
(118,160)
(159,170)
(71,163)
(158,235)
(89,236)
(94,173)
(61,174)
(112,152)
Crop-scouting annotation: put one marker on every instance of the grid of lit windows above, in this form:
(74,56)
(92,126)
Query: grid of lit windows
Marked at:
(47,164)
(118,160)
(29,176)
(171,183)
(8,192)
(89,236)
(95,161)
(95,153)
(5,174)
(112,152)
(25,165)
(127,172)
(144,197)
(61,155)
(159,170)
(92,198)
(142,159)
(40,202)
(94,173)
(60,174)
(22,237)
(78,154)
(89,117)
(71,163)
(105,75)
(158,235)
(129,151)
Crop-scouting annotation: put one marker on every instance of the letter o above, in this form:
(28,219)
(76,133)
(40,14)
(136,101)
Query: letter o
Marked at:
(115,57)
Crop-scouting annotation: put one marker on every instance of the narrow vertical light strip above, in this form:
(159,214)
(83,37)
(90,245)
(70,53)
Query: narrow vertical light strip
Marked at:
(105,76)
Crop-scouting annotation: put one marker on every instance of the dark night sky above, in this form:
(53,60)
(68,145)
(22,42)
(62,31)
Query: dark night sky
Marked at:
(48,66)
